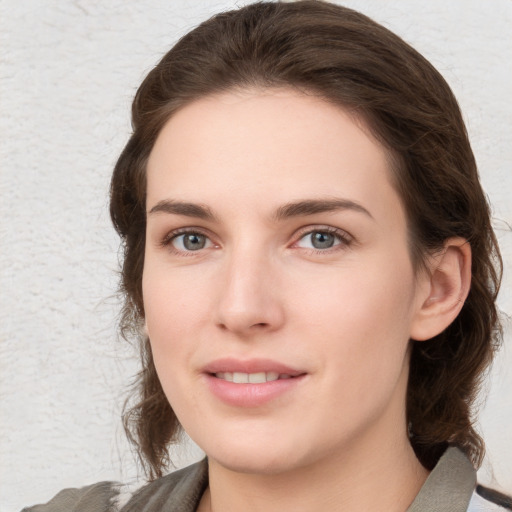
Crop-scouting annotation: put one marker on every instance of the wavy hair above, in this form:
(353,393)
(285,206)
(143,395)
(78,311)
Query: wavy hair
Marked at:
(350,61)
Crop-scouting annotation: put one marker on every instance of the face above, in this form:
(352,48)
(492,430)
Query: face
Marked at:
(278,287)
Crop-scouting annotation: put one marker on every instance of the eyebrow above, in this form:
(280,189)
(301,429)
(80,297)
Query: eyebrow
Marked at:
(313,206)
(294,209)
(198,211)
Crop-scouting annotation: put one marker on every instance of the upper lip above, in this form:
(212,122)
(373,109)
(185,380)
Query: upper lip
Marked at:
(250,366)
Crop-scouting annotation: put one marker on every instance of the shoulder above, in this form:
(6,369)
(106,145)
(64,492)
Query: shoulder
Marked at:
(179,491)
(99,497)
(452,487)
(488,500)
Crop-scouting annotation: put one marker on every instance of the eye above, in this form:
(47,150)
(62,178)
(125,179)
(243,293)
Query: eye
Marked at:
(322,239)
(190,241)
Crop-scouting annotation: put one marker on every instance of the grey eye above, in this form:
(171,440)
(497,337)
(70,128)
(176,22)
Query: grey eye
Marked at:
(319,240)
(322,240)
(190,242)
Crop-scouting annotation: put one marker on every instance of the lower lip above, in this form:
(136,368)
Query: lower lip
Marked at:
(251,395)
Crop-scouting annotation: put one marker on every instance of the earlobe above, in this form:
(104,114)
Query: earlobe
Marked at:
(447,285)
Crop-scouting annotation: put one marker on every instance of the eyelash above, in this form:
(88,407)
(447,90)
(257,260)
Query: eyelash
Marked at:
(345,240)
(173,235)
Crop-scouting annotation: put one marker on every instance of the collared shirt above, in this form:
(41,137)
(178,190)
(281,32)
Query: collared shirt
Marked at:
(450,487)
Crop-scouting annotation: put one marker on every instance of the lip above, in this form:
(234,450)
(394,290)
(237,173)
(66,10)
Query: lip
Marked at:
(250,366)
(251,395)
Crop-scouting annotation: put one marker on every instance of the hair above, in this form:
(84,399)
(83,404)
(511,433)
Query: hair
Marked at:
(351,61)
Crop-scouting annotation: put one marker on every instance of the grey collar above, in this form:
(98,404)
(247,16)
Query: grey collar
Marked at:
(181,491)
(449,486)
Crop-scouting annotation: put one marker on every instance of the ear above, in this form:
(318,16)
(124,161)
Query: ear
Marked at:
(443,289)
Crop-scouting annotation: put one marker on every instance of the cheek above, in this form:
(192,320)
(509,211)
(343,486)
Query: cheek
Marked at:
(365,294)
(362,316)
(362,331)
(172,300)
(174,306)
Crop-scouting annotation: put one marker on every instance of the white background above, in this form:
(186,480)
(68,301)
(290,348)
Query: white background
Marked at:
(68,71)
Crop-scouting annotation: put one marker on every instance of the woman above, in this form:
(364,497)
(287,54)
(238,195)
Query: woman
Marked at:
(310,263)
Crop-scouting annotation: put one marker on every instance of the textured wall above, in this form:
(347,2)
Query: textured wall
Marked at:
(68,70)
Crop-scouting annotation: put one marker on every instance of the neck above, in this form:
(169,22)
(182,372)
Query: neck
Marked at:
(383,476)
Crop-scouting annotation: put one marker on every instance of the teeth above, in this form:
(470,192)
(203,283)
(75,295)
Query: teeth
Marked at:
(240,378)
(257,378)
(251,378)
(225,376)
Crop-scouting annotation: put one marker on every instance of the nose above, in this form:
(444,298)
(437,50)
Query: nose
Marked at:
(248,302)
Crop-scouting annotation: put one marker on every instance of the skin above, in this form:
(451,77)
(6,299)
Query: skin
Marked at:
(259,288)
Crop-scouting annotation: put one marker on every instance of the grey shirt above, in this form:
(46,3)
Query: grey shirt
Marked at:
(450,487)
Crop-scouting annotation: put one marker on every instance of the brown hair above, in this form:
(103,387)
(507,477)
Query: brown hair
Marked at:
(351,61)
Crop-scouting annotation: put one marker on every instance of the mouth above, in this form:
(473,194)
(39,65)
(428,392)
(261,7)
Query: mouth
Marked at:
(252,378)
(251,383)
(252,371)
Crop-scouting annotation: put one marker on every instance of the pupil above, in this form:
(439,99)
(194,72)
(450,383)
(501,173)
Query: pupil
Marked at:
(323,240)
(194,242)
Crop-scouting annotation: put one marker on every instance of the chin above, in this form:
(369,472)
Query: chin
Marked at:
(251,454)
(256,463)
(264,455)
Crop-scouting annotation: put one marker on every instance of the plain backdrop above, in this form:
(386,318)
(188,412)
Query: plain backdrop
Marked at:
(68,71)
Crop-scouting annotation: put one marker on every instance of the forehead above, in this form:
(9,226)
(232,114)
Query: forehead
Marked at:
(267,146)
